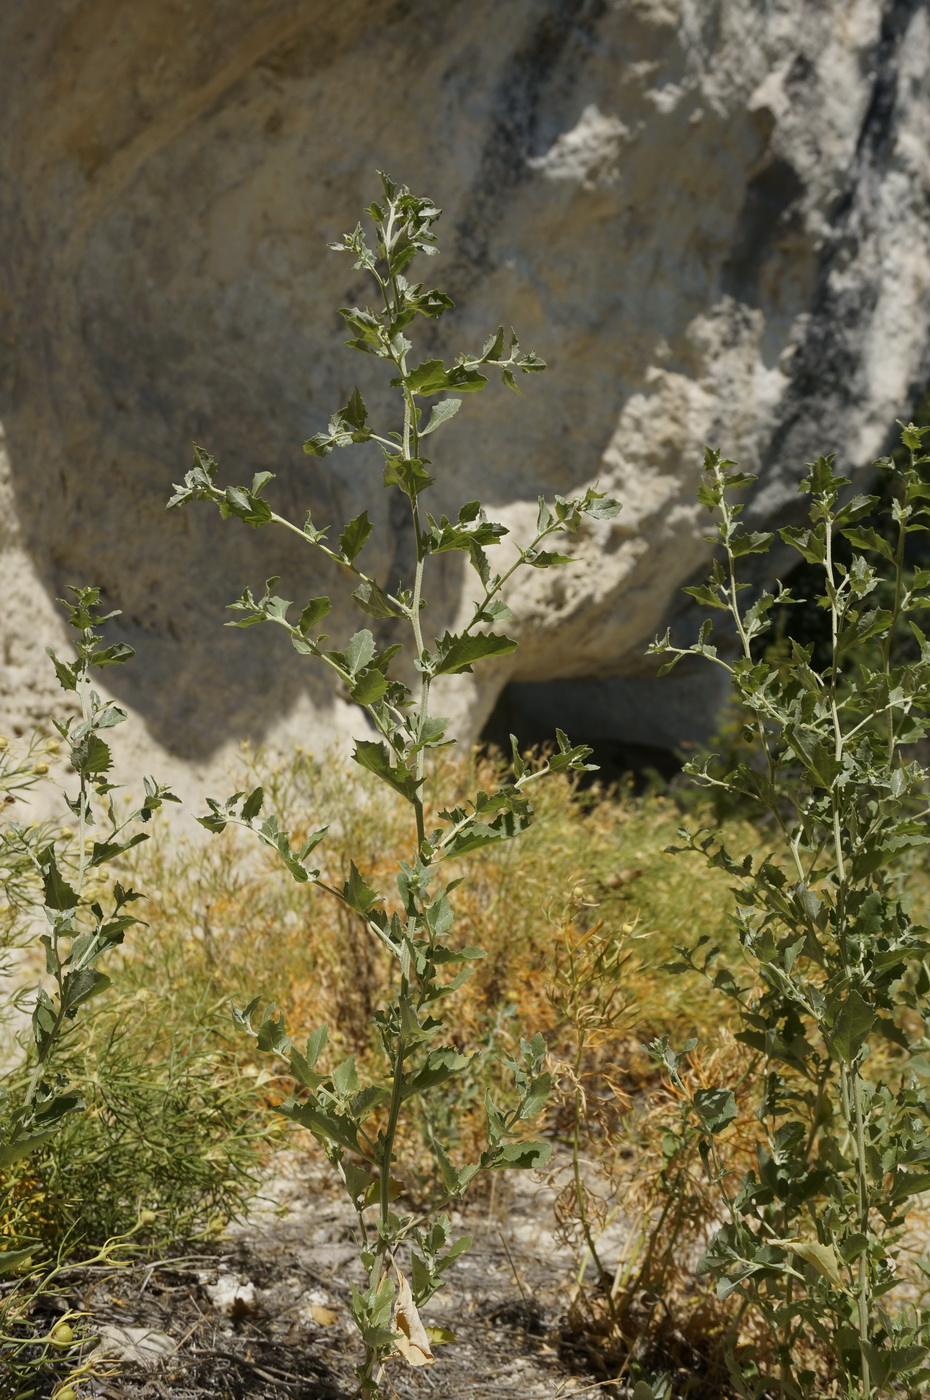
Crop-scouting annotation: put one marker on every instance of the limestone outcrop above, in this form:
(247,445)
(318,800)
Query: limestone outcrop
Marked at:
(711,217)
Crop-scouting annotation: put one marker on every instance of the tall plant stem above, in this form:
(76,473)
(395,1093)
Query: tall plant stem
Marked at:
(411,447)
(852,1095)
(604,1276)
(864,1290)
(390,1134)
(895,615)
(758,723)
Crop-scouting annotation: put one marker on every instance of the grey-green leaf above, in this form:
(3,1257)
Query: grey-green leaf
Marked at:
(373,755)
(370,687)
(373,600)
(441,413)
(458,654)
(316,609)
(58,893)
(353,537)
(851,1027)
(359,651)
(526,1156)
(716,1108)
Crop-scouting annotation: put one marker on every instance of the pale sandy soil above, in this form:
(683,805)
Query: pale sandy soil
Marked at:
(265,1314)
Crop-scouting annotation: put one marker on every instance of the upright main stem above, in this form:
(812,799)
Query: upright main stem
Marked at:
(390,1132)
(410,444)
(895,615)
(758,722)
(851,1079)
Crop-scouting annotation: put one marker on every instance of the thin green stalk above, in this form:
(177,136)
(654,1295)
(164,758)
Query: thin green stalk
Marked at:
(603,1273)
(390,1133)
(423,715)
(758,725)
(863,1291)
(888,641)
(336,558)
(852,1097)
(838,736)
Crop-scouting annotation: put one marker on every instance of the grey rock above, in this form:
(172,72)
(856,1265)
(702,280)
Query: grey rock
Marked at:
(709,216)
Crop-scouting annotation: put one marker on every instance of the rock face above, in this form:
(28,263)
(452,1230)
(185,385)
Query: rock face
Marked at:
(709,216)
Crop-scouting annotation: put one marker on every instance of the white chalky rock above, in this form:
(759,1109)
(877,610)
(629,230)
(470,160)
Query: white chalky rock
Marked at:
(138,1345)
(231,1294)
(709,216)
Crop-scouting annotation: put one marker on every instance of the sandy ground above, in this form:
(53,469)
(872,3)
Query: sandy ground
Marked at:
(265,1314)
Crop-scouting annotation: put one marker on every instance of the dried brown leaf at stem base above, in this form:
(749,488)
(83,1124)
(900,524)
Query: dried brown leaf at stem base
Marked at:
(411,1342)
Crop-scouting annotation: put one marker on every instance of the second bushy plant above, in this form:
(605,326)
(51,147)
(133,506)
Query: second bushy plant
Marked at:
(832,999)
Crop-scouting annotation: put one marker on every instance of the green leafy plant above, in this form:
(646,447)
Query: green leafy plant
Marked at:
(357,1122)
(56,875)
(833,995)
(84,924)
(172,1127)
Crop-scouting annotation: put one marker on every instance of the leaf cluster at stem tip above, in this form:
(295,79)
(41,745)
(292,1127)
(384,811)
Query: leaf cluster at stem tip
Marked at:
(403,229)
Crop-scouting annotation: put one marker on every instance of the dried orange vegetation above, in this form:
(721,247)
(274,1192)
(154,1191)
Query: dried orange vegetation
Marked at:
(583,907)
(226,916)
